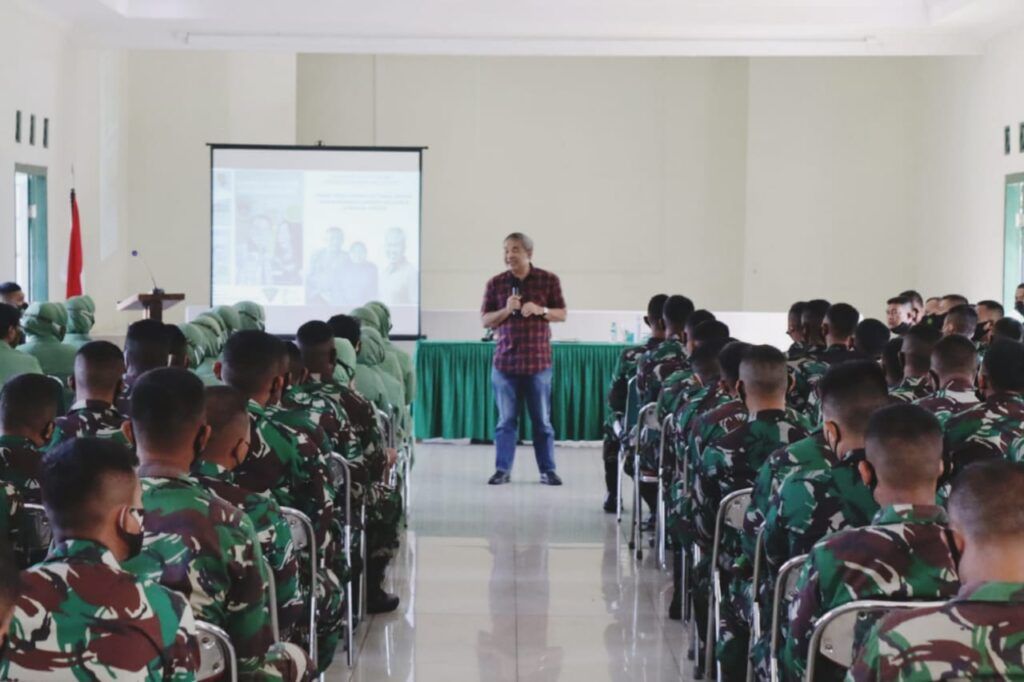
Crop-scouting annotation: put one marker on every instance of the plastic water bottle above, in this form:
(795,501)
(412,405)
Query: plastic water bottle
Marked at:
(615,332)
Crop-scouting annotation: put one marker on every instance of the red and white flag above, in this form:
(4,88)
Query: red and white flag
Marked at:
(75,252)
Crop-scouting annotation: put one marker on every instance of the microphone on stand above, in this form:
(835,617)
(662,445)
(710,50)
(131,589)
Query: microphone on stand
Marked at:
(137,254)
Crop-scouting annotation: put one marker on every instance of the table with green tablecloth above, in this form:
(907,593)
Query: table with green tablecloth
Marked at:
(454,398)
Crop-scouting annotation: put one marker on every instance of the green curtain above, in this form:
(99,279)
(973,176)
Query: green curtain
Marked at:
(454,398)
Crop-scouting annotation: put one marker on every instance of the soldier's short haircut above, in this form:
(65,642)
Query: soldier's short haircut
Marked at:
(177,344)
(9,317)
(29,401)
(904,445)
(963,319)
(147,345)
(83,478)
(891,359)
(7,288)
(870,337)
(697,318)
(710,330)
(763,370)
(729,360)
(987,501)
(954,355)
(314,333)
(1003,365)
(656,307)
(166,404)
(955,299)
(251,358)
(224,405)
(677,310)
(10,579)
(99,365)
(1007,328)
(705,360)
(918,343)
(346,327)
(914,296)
(900,300)
(994,306)
(815,311)
(852,390)
(842,320)
(797,309)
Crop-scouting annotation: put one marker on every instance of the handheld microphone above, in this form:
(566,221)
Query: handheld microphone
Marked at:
(137,254)
(517,286)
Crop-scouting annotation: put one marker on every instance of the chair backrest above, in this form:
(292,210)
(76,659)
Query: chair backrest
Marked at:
(304,539)
(836,633)
(756,583)
(632,404)
(35,535)
(272,598)
(386,427)
(785,590)
(340,473)
(216,654)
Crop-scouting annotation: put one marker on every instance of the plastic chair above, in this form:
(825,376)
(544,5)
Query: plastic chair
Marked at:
(216,654)
(341,477)
(755,617)
(661,515)
(650,410)
(275,625)
(304,538)
(35,536)
(626,439)
(785,590)
(835,633)
(731,512)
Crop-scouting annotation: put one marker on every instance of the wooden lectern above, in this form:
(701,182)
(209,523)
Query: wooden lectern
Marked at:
(152,303)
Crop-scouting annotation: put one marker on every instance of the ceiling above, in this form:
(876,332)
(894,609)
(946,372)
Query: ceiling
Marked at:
(546,27)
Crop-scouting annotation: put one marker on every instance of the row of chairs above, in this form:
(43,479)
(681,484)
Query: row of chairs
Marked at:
(834,637)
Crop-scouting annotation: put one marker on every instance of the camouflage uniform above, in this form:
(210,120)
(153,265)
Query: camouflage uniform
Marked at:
(94,418)
(796,351)
(804,369)
(952,399)
(985,431)
(911,389)
(726,465)
(656,365)
(10,511)
(200,545)
(20,465)
(903,555)
(809,373)
(81,616)
(812,502)
(976,635)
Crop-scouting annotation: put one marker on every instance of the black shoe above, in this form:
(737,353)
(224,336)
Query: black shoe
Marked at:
(647,525)
(550,478)
(500,477)
(382,603)
(609,503)
(675,608)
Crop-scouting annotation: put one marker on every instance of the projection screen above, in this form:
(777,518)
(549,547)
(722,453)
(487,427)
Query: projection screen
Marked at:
(313,231)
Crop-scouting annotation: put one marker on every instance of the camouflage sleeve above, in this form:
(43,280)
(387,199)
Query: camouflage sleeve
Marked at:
(183,653)
(803,611)
(248,610)
(865,666)
(759,503)
(776,550)
(705,494)
(276,542)
(619,386)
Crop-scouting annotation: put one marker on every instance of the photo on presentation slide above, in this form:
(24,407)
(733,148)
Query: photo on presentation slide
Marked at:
(317,231)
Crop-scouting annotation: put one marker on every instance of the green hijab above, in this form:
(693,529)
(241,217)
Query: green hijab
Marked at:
(229,318)
(45,321)
(251,315)
(368,318)
(383,316)
(81,314)
(197,343)
(213,329)
(347,362)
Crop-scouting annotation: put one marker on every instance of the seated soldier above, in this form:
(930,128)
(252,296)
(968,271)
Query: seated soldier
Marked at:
(196,542)
(227,448)
(28,407)
(1006,328)
(80,615)
(931,306)
(987,430)
(975,635)
(917,305)
(684,380)
(808,364)
(13,362)
(97,381)
(989,312)
(670,353)
(961,320)
(903,555)
(730,463)
(147,346)
(45,325)
(795,331)
(899,313)
(870,338)
(839,328)
(954,363)
(891,362)
(730,413)
(371,461)
(625,369)
(916,358)
(10,588)
(815,500)
(178,355)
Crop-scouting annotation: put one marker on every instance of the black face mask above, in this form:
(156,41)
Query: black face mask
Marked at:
(900,329)
(1019,307)
(131,540)
(980,331)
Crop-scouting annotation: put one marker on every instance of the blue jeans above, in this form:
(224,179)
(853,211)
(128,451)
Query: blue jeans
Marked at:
(536,388)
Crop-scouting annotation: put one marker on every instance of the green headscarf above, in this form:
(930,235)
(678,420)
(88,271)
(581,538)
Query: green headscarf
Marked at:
(346,360)
(45,321)
(81,314)
(197,343)
(252,315)
(371,347)
(373,355)
(367,317)
(214,331)
(383,316)
(229,318)
(406,373)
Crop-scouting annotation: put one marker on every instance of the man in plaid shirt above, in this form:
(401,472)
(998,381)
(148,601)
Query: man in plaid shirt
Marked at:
(519,304)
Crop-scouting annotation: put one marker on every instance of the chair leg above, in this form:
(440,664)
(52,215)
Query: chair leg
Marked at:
(620,473)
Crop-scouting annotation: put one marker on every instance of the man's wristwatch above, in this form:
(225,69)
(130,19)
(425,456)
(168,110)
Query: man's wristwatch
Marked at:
(546,311)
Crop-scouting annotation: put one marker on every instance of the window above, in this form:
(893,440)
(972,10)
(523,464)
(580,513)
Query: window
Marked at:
(30,233)
(1013,238)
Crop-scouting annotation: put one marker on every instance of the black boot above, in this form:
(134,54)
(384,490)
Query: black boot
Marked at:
(377,600)
(611,482)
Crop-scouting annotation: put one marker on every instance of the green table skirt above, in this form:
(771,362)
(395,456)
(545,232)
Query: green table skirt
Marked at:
(454,398)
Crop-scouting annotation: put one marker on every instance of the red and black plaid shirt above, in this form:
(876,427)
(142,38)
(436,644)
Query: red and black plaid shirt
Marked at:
(524,343)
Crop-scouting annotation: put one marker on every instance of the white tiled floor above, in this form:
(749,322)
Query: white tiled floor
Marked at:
(522,582)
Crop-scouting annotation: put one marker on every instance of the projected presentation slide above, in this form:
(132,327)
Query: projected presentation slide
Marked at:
(313,232)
